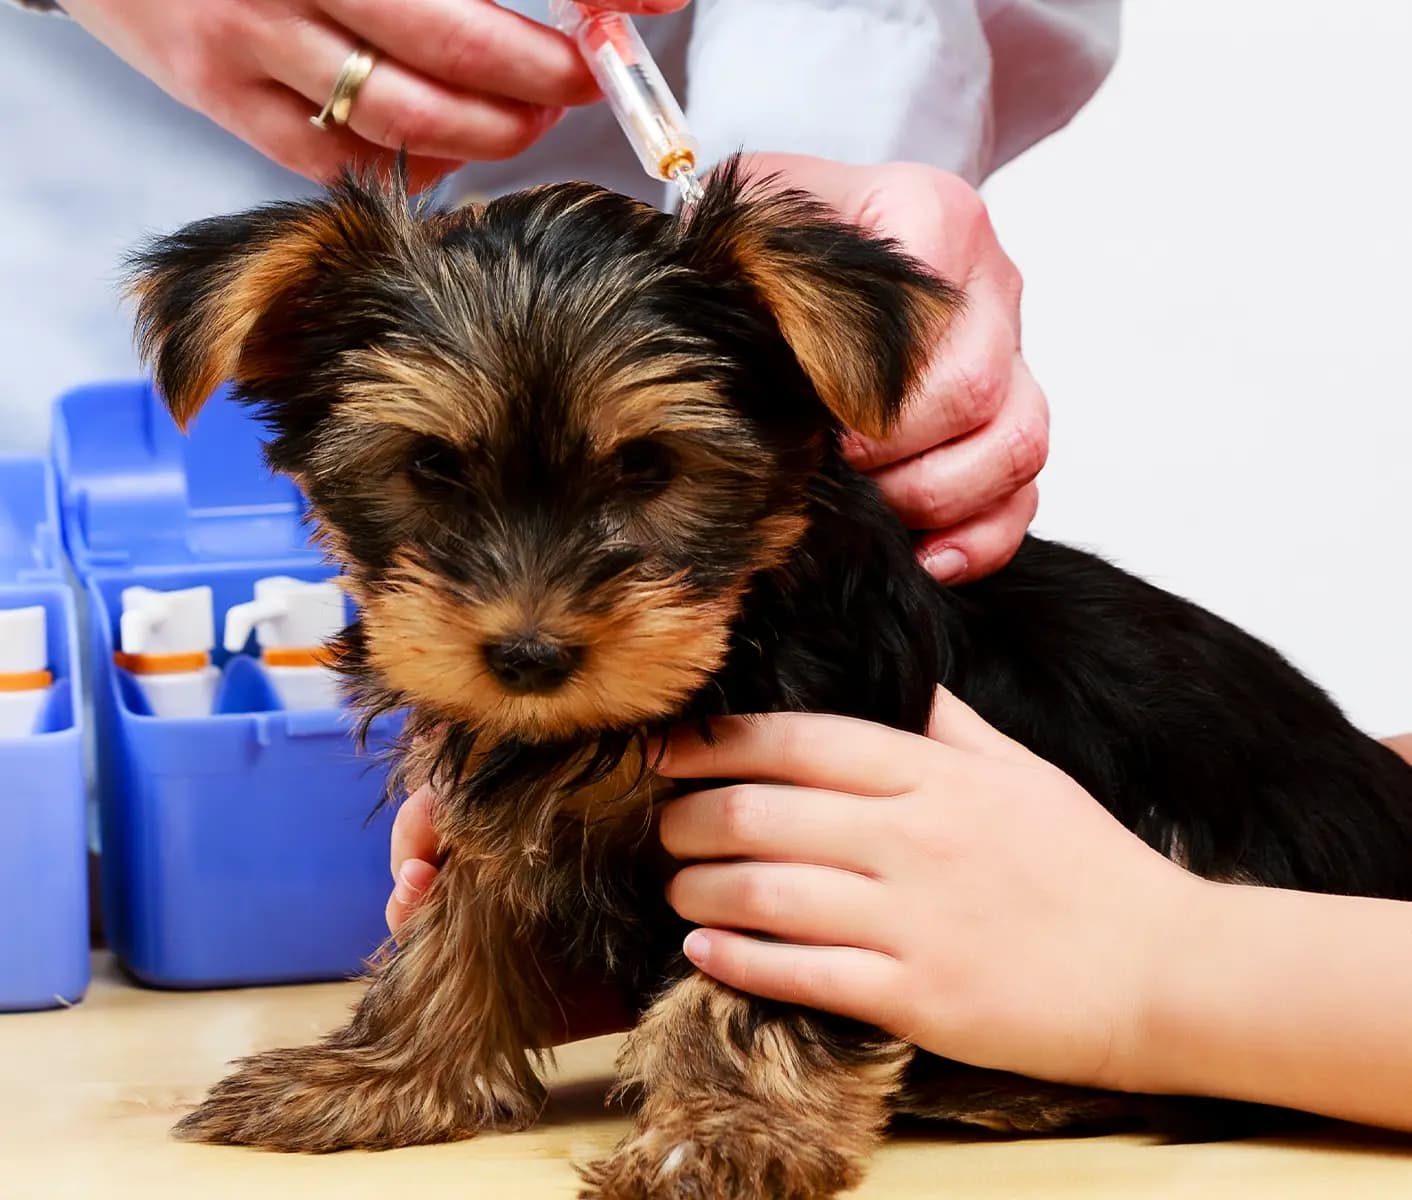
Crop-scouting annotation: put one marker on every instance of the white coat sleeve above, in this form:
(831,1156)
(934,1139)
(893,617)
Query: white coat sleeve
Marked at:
(959,84)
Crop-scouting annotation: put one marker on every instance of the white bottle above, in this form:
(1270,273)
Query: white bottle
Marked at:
(24,671)
(167,639)
(293,621)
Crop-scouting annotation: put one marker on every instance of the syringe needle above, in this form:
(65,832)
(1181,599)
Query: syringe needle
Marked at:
(689,185)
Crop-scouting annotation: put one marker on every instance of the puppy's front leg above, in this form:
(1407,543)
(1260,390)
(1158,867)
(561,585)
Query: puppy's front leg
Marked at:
(436,1049)
(745,1102)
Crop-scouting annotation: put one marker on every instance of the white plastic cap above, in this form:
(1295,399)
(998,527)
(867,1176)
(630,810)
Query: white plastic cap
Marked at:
(23,645)
(287,613)
(155,622)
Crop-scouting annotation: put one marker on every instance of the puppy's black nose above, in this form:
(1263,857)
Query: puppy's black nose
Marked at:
(534,664)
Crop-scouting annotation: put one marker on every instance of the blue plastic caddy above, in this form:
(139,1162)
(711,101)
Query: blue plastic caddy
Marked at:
(237,848)
(43,845)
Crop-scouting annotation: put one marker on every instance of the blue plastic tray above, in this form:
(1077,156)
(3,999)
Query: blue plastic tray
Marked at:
(237,848)
(43,848)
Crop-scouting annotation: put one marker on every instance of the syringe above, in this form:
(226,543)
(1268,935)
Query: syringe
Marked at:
(637,93)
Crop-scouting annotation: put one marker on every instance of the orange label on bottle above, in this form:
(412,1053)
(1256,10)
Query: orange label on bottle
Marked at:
(26,681)
(161,664)
(282,656)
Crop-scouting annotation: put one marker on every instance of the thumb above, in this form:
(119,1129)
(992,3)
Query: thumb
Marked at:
(956,724)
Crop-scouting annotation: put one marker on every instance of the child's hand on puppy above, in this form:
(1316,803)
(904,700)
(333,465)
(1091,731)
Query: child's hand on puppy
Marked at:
(955,890)
(961,467)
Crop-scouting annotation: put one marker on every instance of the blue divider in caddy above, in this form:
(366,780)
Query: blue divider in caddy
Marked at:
(236,848)
(43,842)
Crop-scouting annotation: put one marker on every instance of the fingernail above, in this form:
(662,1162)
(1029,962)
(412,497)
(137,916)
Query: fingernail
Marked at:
(945,565)
(661,751)
(697,947)
(406,890)
(852,446)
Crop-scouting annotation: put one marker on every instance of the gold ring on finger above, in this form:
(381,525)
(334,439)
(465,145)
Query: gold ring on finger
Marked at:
(351,76)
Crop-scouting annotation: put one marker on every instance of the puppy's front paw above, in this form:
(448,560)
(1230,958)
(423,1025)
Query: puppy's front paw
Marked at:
(320,1099)
(745,1153)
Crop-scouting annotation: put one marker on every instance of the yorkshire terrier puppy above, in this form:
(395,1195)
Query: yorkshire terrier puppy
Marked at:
(579,461)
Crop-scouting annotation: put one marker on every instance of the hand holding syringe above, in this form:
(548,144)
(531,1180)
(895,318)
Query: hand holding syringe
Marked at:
(639,96)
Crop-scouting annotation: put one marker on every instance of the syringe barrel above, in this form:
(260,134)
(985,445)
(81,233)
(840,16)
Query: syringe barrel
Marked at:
(633,85)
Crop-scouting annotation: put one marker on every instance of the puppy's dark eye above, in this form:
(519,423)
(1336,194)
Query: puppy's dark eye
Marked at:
(435,463)
(646,466)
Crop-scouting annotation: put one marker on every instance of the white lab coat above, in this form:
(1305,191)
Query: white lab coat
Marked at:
(92,156)
(960,84)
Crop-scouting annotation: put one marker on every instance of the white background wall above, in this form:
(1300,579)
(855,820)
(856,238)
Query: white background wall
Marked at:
(1218,255)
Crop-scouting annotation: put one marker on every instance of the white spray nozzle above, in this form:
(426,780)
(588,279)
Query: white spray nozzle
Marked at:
(287,613)
(23,641)
(181,622)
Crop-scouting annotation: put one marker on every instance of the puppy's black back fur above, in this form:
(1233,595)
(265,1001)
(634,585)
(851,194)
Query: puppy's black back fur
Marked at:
(1197,736)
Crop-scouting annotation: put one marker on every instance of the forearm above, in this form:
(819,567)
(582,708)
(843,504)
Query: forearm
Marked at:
(1285,998)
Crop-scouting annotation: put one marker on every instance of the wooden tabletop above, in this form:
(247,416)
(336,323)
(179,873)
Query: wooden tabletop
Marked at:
(87,1096)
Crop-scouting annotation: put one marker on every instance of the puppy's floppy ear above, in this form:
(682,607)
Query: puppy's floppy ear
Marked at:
(861,316)
(212,299)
